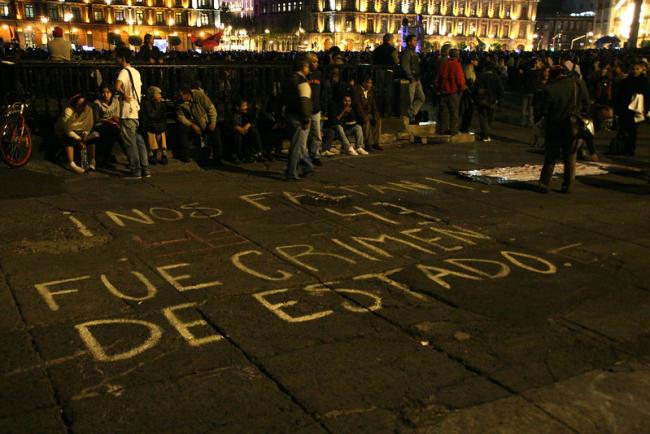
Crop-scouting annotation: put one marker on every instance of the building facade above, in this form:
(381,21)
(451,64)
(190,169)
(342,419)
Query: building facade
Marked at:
(359,24)
(564,31)
(98,23)
(614,18)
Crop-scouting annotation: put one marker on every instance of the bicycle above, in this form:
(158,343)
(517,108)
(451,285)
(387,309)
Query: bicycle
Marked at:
(15,135)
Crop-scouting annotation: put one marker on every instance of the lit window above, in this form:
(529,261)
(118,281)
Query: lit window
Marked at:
(29,11)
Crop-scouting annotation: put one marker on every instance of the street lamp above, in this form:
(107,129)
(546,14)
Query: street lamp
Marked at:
(586,35)
(67,17)
(44,21)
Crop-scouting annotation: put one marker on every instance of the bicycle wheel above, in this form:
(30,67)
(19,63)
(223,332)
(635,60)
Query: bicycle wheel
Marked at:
(15,142)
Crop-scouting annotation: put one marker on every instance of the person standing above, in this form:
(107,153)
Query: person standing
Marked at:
(564,95)
(315,141)
(298,110)
(129,86)
(486,92)
(410,63)
(466,101)
(450,84)
(532,78)
(636,83)
(58,48)
(386,53)
(149,52)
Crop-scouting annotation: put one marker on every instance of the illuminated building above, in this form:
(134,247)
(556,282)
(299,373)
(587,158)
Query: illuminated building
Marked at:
(614,18)
(90,22)
(357,24)
(558,31)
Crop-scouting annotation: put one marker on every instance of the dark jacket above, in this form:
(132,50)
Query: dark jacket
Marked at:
(348,120)
(297,98)
(153,116)
(488,89)
(532,79)
(385,54)
(315,78)
(562,97)
(410,63)
(627,88)
(146,54)
(332,94)
(365,106)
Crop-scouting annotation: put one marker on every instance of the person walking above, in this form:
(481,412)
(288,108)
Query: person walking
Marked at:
(410,63)
(450,84)
(486,92)
(564,96)
(298,110)
(129,86)
(315,141)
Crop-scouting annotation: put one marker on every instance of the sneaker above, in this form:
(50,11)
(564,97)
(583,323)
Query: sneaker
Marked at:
(350,151)
(335,151)
(362,151)
(92,166)
(327,153)
(486,140)
(146,175)
(378,147)
(76,169)
(163,159)
(152,160)
(132,177)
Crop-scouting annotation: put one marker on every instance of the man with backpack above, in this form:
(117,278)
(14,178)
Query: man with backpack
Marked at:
(129,86)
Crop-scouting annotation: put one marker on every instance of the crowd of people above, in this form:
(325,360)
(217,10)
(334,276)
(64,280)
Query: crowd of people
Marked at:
(316,107)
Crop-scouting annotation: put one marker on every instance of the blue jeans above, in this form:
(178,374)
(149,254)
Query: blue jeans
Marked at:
(355,130)
(315,136)
(298,149)
(134,146)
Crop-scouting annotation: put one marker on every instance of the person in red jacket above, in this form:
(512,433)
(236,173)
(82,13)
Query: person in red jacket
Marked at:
(450,84)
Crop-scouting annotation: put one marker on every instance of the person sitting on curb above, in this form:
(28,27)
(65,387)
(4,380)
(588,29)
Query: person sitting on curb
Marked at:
(197,117)
(74,128)
(106,113)
(155,125)
(344,121)
(247,140)
(365,105)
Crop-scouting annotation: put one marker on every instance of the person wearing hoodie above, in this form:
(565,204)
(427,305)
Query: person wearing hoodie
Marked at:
(486,92)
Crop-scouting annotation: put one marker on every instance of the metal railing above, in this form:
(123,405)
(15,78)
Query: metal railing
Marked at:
(51,84)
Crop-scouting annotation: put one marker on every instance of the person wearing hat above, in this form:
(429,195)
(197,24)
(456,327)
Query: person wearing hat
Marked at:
(154,120)
(58,48)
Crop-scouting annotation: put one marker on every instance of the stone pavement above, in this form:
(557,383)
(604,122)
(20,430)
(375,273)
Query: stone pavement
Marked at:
(382,294)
